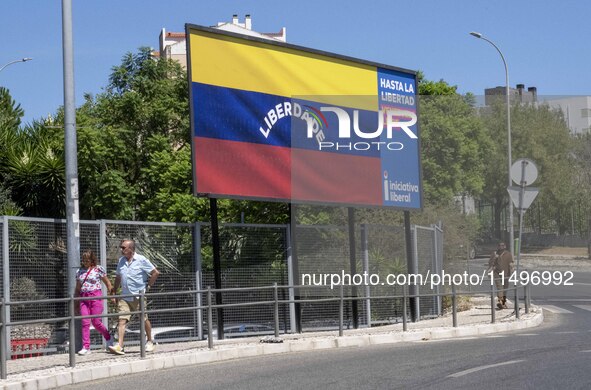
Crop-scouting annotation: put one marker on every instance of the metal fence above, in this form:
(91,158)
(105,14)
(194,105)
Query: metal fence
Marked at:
(274,303)
(251,256)
(428,256)
(34,267)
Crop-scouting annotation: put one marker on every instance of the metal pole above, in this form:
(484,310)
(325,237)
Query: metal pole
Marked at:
(3,371)
(198,274)
(516,302)
(276,309)
(435,267)
(412,265)
(404,314)
(5,283)
(509,158)
(295,267)
(209,320)
(290,279)
(341,310)
(71,160)
(217,264)
(521,212)
(142,323)
(526,298)
(454,306)
(103,262)
(365,251)
(72,347)
(492,301)
(353,266)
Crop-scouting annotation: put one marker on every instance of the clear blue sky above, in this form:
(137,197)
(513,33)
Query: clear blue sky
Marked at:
(545,42)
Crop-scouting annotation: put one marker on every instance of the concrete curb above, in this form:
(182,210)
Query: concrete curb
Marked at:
(155,362)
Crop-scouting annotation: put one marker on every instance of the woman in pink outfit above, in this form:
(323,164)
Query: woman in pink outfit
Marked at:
(88,284)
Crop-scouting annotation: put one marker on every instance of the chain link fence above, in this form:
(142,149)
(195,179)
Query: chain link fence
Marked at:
(383,253)
(427,254)
(34,266)
(251,256)
(322,250)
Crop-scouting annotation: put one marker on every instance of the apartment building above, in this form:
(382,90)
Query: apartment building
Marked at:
(173,45)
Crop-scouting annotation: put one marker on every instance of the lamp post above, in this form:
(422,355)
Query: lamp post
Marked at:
(14,62)
(509,159)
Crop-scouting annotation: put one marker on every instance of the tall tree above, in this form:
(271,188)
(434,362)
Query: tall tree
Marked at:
(581,181)
(31,163)
(145,104)
(35,170)
(134,149)
(10,119)
(453,143)
(538,133)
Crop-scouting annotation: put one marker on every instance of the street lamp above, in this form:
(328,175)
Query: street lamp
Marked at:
(15,61)
(511,232)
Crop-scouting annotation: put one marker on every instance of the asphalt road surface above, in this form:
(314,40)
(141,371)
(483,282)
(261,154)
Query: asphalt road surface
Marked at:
(555,355)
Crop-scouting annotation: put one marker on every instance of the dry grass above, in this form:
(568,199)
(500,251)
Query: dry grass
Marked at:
(560,250)
(463,303)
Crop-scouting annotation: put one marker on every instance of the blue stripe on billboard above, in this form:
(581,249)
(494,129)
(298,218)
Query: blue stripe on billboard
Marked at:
(245,116)
(235,115)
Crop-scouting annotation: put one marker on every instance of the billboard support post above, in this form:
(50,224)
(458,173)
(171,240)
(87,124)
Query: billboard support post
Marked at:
(353,265)
(410,266)
(295,269)
(217,264)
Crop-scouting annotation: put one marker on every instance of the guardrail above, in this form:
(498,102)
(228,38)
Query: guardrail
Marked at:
(209,307)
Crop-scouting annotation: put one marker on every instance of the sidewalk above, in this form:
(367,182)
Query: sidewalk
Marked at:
(32,373)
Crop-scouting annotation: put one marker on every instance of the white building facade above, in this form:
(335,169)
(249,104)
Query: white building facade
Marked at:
(173,45)
(577,112)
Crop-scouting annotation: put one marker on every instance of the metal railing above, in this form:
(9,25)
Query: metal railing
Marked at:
(252,255)
(210,306)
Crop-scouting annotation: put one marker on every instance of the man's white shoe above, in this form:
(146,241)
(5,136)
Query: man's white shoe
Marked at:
(84,352)
(150,346)
(116,349)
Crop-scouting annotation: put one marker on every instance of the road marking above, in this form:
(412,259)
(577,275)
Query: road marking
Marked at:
(582,284)
(499,336)
(448,339)
(569,300)
(589,350)
(475,369)
(584,307)
(556,309)
(528,334)
(566,332)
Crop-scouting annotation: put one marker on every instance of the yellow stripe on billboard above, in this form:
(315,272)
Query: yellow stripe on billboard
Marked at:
(277,70)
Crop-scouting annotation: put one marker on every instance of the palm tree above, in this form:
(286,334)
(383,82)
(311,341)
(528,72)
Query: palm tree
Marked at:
(34,168)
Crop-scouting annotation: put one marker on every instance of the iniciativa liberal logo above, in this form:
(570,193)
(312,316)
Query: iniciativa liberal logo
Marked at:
(389,120)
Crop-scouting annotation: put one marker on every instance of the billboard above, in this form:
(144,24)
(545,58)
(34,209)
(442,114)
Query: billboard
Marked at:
(272,121)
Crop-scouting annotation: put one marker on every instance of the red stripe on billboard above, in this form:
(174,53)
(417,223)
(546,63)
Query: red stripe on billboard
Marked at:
(333,177)
(241,169)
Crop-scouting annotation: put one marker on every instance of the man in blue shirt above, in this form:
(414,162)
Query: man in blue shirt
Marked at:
(134,274)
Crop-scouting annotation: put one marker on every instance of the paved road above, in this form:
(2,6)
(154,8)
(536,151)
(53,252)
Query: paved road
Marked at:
(555,355)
